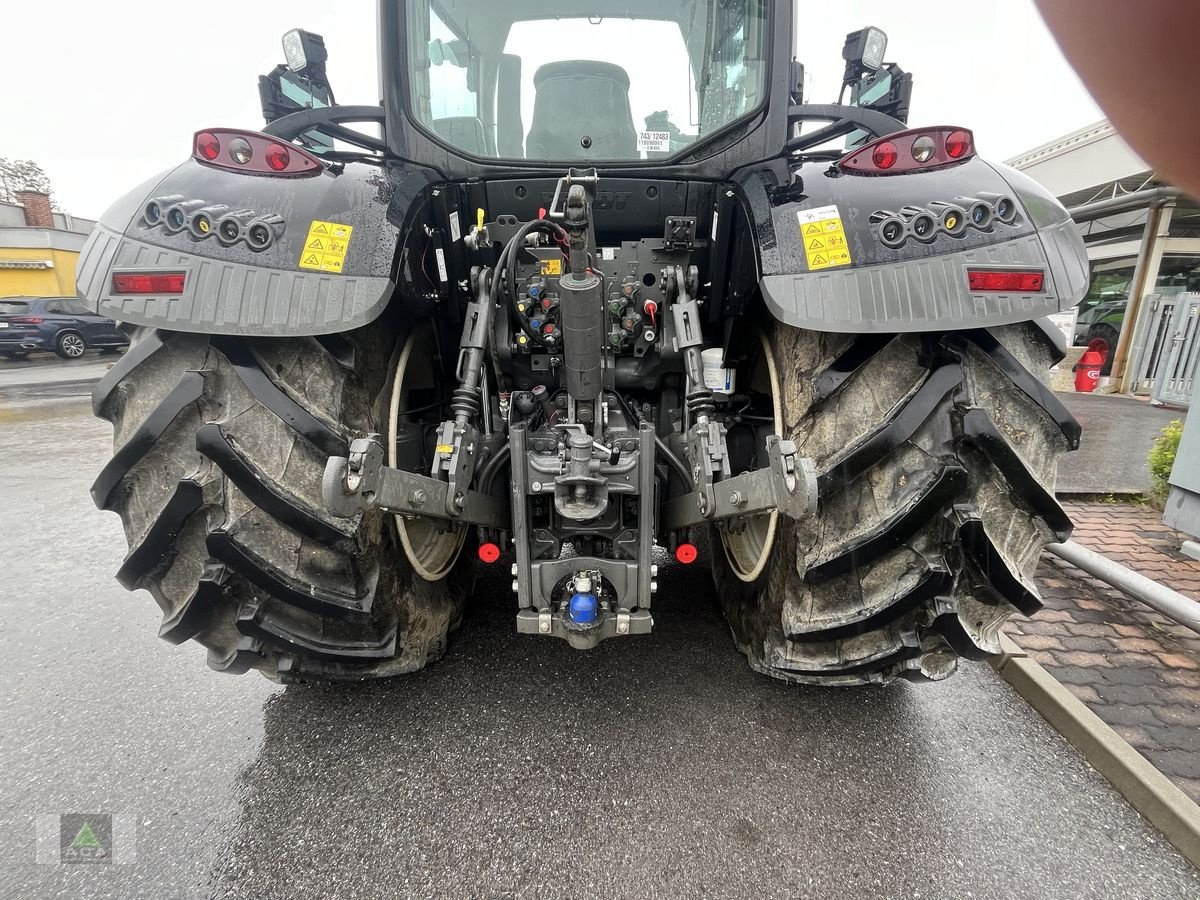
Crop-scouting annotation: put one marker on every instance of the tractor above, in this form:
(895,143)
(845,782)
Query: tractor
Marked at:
(595,292)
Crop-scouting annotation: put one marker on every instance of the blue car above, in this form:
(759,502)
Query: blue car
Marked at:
(61,325)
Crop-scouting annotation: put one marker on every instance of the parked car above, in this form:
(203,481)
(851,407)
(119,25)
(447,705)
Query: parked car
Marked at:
(61,325)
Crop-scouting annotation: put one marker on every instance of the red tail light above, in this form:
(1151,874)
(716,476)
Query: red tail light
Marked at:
(489,552)
(27,320)
(992,280)
(252,153)
(148,283)
(917,150)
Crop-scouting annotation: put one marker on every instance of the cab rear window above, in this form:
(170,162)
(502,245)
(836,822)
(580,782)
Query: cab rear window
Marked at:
(13,307)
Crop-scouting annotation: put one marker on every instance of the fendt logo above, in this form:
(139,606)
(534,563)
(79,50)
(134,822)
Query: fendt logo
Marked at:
(604,199)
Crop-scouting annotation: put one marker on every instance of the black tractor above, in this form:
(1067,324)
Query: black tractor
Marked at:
(594,293)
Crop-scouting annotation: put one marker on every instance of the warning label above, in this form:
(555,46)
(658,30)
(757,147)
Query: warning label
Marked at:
(326,245)
(824,238)
(551,267)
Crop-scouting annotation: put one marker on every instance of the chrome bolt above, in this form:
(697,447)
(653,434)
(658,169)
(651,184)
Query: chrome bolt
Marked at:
(419,497)
(514,569)
(544,627)
(536,487)
(514,585)
(622,628)
(654,571)
(736,499)
(460,500)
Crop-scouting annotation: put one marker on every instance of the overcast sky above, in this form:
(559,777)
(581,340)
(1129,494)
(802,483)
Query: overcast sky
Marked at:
(104,95)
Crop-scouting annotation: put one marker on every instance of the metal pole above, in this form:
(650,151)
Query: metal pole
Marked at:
(1145,277)
(1172,604)
(1124,203)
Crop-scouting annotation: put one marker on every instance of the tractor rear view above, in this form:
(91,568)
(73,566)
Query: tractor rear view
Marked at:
(593,286)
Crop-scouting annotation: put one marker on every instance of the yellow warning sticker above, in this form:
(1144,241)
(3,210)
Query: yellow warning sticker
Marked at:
(326,245)
(551,266)
(824,238)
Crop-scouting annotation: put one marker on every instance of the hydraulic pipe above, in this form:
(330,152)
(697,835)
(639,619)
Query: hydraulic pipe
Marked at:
(1170,603)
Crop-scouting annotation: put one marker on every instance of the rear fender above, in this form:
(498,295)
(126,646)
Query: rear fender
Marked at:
(861,285)
(298,285)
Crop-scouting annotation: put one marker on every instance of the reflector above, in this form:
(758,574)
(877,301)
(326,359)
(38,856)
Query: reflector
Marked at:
(148,282)
(686,553)
(984,280)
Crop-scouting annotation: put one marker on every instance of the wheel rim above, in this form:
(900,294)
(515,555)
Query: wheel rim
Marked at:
(72,345)
(749,550)
(431,551)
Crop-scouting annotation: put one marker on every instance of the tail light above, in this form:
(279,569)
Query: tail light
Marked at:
(170,283)
(252,153)
(27,320)
(918,150)
(1004,281)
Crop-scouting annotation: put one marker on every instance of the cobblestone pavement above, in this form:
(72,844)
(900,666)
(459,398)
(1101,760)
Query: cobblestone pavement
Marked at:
(1134,667)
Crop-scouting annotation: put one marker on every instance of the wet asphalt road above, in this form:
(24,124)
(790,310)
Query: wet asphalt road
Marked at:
(656,767)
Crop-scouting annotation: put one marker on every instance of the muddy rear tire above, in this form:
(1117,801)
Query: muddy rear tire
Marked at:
(220,444)
(937,457)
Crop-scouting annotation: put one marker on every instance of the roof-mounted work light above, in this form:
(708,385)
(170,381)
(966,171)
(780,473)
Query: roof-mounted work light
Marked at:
(863,52)
(305,52)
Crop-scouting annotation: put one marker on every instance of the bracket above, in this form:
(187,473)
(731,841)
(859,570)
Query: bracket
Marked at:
(360,482)
(788,484)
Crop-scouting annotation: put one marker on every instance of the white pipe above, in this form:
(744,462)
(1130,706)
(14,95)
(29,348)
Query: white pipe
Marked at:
(1172,604)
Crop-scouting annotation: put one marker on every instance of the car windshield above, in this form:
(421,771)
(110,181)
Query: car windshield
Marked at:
(615,81)
(13,307)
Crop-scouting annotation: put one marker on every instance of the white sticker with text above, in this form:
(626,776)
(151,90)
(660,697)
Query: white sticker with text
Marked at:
(654,141)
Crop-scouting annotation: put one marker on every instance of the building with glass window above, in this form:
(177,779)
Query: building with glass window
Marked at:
(1143,240)
(39,247)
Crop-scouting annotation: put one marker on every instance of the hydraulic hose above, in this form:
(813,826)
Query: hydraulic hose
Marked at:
(492,467)
(506,267)
(660,445)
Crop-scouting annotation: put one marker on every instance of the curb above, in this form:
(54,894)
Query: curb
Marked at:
(1148,791)
(87,382)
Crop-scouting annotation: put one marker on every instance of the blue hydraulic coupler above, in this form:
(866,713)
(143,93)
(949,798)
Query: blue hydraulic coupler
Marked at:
(582,609)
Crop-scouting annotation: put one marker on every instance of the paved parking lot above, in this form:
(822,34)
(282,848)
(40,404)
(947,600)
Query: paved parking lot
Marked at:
(1118,433)
(515,767)
(1134,667)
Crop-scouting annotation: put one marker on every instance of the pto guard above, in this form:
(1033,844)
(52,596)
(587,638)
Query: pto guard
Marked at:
(922,285)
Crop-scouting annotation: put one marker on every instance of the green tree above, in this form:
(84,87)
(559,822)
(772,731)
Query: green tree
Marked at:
(23,175)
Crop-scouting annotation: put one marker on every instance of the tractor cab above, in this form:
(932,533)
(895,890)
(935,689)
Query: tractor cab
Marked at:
(661,83)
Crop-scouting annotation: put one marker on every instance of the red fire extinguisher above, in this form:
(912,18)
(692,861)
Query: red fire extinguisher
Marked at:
(1087,371)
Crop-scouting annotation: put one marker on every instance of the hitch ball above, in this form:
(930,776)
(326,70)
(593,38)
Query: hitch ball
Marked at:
(582,609)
